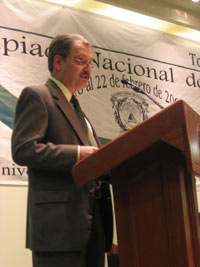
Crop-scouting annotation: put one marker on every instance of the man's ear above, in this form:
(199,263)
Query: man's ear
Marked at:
(57,61)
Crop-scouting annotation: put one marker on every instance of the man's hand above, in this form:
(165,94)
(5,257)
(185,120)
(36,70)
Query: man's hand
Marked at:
(87,150)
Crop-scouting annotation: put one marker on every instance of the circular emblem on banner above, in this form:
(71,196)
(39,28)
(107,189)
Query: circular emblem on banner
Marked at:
(130,109)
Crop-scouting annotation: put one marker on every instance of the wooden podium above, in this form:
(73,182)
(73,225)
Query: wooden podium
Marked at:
(152,169)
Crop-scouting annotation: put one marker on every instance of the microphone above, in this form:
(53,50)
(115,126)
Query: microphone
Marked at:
(139,90)
(136,89)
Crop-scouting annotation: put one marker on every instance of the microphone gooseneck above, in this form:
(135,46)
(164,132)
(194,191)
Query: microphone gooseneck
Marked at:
(139,90)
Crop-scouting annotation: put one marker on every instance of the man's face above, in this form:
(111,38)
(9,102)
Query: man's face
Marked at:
(75,71)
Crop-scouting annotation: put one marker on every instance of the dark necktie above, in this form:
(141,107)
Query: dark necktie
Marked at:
(79,113)
(82,120)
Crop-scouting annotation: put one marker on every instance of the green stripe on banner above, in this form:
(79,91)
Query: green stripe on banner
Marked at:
(6,115)
(7,98)
(7,107)
(104,140)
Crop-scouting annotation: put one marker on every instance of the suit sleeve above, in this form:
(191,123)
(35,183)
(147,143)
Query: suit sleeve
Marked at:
(28,148)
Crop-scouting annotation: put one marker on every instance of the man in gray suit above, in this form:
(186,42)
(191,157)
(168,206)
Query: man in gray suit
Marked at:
(66,226)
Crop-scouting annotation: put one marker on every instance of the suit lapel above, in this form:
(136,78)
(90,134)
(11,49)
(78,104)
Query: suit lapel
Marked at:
(67,109)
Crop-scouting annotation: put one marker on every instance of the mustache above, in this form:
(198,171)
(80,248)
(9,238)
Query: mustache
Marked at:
(85,74)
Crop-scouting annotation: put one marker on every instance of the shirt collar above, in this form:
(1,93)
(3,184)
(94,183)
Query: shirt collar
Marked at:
(63,88)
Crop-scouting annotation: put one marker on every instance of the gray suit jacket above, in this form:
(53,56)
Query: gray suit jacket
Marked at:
(45,138)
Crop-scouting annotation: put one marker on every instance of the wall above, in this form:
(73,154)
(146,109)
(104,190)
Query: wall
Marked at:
(12,227)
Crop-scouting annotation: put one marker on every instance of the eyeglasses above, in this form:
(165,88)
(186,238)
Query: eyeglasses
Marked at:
(83,62)
(80,61)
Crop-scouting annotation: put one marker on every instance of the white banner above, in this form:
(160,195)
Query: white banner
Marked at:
(166,67)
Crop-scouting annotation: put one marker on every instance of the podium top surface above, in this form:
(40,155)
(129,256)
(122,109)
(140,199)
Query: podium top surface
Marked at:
(178,125)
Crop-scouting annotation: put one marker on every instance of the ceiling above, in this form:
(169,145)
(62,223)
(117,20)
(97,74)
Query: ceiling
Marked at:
(183,12)
(187,5)
(178,17)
